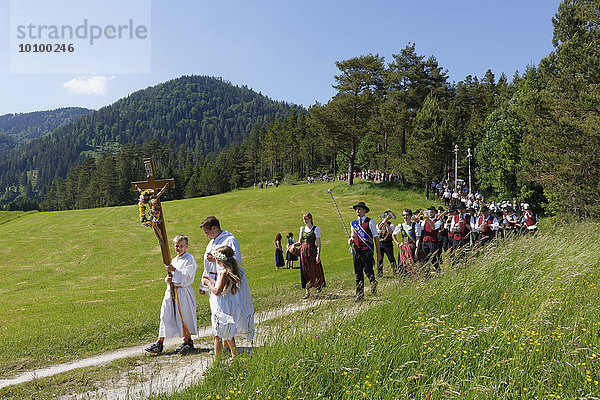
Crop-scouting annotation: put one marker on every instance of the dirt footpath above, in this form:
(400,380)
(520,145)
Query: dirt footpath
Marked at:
(165,373)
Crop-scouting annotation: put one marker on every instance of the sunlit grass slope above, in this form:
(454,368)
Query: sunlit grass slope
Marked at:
(520,321)
(82,282)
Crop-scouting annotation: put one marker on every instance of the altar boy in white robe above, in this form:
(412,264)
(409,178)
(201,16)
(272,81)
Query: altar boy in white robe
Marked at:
(181,320)
(218,237)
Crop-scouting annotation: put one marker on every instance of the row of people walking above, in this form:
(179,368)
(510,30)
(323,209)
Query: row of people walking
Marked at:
(429,234)
(421,238)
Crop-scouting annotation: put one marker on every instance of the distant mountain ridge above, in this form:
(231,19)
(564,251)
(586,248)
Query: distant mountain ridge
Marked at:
(205,114)
(16,129)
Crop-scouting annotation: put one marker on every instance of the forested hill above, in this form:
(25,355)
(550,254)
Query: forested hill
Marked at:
(204,113)
(16,129)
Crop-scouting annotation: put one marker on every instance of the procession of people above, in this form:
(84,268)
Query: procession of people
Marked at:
(423,238)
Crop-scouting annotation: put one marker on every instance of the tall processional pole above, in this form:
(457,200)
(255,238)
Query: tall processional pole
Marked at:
(455,166)
(150,191)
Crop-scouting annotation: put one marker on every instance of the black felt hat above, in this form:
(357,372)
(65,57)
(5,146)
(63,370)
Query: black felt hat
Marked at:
(363,205)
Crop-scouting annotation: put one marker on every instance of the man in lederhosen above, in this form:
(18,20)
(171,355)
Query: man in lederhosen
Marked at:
(364,240)
(486,225)
(429,237)
(460,227)
(529,220)
(387,245)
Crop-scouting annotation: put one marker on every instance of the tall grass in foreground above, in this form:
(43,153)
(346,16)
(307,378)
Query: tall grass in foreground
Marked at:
(520,321)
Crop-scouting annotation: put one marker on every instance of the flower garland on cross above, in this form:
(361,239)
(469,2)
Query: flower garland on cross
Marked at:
(154,217)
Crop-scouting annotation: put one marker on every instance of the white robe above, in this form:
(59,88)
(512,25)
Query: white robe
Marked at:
(236,318)
(170,320)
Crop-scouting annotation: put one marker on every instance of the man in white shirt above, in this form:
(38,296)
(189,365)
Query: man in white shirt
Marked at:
(486,225)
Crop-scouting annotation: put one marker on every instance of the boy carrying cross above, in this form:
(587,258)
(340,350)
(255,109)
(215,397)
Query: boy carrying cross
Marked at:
(181,320)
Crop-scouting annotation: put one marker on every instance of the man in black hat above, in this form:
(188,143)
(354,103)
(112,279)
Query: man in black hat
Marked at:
(501,224)
(364,240)
(472,236)
(447,236)
(511,221)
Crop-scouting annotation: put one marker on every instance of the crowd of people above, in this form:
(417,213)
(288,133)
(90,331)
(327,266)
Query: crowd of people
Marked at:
(421,239)
(371,175)
(426,235)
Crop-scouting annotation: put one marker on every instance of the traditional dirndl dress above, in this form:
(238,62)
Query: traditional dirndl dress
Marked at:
(311,272)
(406,253)
(289,256)
(279,261)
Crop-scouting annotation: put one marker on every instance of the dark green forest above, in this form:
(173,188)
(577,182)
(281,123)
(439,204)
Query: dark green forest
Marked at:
(17,129)
(534,136)
(203,113)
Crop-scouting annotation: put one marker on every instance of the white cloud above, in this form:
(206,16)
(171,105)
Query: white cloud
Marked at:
(88,84)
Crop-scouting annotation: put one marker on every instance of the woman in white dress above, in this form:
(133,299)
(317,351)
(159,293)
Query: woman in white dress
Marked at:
(231,307)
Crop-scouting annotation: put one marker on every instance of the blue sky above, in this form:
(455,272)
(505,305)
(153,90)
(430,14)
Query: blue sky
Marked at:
(286,50)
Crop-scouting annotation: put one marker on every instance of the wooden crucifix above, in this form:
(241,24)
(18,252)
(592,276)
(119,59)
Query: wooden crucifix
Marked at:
(158,187)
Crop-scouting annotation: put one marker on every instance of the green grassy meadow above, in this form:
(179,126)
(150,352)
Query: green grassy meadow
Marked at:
(519,321)
(83,282)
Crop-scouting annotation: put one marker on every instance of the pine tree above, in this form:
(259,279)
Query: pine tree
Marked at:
(344,120)
(563,114)
(429,143)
